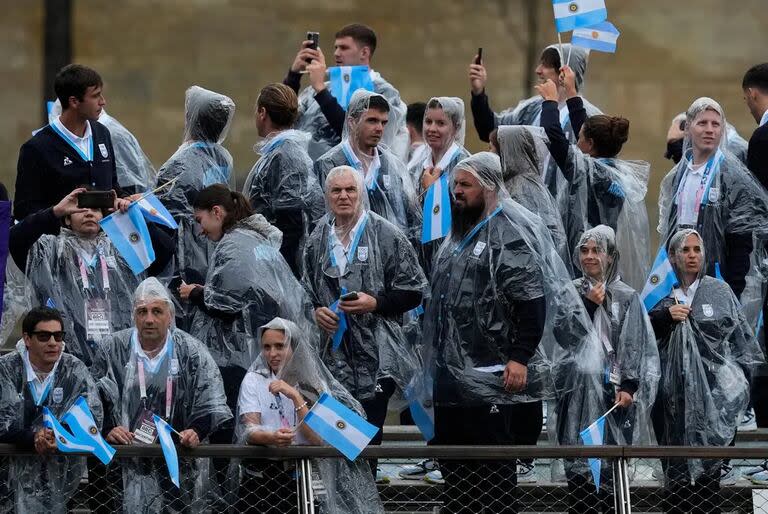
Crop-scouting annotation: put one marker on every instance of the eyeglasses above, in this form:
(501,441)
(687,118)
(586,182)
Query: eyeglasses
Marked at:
(44,336)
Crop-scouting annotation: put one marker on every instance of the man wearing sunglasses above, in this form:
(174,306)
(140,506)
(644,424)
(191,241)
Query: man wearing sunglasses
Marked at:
(39,375)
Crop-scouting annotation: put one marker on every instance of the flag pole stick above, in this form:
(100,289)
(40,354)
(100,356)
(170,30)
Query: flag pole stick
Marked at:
(568,61)
(560,42)
(160,188)
(610,410)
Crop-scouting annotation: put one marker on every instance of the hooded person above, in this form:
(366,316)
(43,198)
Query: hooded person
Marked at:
(706,348)
(528,112)
(736,144)
(282,185)
(71,264)
(390,190)
(34,377)
(602,189)
(629,355)
(711,190)
(277,392)
(157,369)
(501,301)
(200,161)
(362,275)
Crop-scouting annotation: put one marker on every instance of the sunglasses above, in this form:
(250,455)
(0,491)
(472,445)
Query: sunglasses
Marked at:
(44,336)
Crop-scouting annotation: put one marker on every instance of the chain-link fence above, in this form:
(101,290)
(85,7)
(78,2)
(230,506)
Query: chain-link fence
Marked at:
(224,478)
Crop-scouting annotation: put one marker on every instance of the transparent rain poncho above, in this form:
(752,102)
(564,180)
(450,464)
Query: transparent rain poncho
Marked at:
(703,390)
(477,281)
(249,280)
(197,400)
(283,182)
(733,205)
(312,120)
(380,259)
(390,189)
(200,161)
(41,483)
(349,486)
(523,151)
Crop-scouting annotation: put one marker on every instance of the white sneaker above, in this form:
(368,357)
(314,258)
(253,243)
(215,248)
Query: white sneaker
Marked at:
(381,476)
(526,472)
(757,469)
(728,474)
(434,477)
(748,422)
(419,470)
(759,478)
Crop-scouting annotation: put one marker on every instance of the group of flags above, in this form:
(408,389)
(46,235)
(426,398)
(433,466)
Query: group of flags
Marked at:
(83,434)
(588,21)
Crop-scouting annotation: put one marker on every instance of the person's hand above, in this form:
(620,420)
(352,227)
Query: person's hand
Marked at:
(364,304)
(568,81)
(674,133)
(134,197)
(304,56)
(623,399)
(280,386)
(119,435)
(317,71)
(597,293)
(515,377)
(44,441)
(477,77)
(326,319)
(547,90)
(121,204)
(189,438)
(430,176)
(283,437)
(186,289)
(68,204)
(679,312)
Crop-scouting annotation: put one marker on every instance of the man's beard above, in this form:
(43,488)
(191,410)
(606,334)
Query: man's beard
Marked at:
(464,218)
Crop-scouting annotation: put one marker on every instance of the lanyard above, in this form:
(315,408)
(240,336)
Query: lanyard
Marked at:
(168,378)
(352,247)
(373,170)
(468,238)
(445,160)
(711,169)
(86,158)
(276,140)
(104,272)
(283,419)
(38,397)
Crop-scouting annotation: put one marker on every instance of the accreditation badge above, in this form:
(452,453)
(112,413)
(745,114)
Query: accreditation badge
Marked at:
(97,319)
(146,431)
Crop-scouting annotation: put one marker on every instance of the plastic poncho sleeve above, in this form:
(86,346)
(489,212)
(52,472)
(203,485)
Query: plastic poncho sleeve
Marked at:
(633,337)
(208,409)
(559,144)
(25,234)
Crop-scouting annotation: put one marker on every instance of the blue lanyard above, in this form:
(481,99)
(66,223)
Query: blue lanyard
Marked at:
(73,145)
(358,165)
(354,244)
(468,238)
(274,143)
(39,400)
(712,168)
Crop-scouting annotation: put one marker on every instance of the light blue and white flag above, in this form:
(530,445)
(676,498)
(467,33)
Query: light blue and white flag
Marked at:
(340,426)
(437,210)
(83,426)
(421,407)
(345,80)
(65,441)
(155,211)
(660,282)
(574,14)
(339,334)
(601,37)
(169,449)
(128,232)
(593,435)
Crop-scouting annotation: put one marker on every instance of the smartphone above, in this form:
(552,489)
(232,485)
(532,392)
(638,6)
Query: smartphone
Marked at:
(349,296)
(96,200)
(479,58)
(315,38)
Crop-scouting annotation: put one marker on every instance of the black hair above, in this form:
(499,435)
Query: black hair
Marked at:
(756,77)
(234,203)
(39,315)
(363,35)
(379,103)
(74,80)
(415,115)
(550,58)
(608,134)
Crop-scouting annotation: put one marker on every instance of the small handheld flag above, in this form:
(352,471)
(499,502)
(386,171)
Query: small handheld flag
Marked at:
(422,409)
(345,80)
(660,282)
(601,37)
(155,211)
(83,426)
(574,14)
(437,211)
(594,435)
(65,442)
(128,232)
(342,321)
(169,449)
(340,426)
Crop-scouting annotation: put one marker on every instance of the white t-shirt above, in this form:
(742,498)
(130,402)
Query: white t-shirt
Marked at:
(689,204)
(83,143)
(256,398)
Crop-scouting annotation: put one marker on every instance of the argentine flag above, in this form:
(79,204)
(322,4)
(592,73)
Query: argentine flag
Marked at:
(155,211)
(83,426)
(65,441)
(169,449)
(342,321)
(340,426)
(574,14)
(660,282)
(437,211)
(601,37)
(422,409)
(128,232)
(345,80)
(593,436)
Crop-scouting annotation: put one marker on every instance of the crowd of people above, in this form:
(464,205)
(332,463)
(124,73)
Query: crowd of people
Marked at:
(372,256)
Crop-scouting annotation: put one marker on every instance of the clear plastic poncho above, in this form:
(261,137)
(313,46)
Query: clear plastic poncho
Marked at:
(390,189)
(703,390)
(523,150)
(41,483)
(373,345)
(349,486)
(248,278)
(311,119)
(197,397)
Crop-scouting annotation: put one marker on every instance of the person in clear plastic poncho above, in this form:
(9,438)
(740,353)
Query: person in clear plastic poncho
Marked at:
(156,368)
(706,348)
(37,375)
(354,250)
(628,369)
(602,189)
(736,144)
(390,190)
(200,161)
(711,191)
(501,302)
(282,185)
(278,391)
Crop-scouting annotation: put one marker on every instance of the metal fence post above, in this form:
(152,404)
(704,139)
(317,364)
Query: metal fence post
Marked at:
(304,486)
(621,498)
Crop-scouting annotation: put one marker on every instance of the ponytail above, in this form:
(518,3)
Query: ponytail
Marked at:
(235,205)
